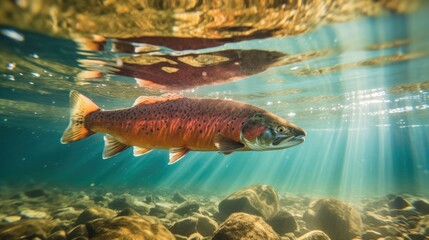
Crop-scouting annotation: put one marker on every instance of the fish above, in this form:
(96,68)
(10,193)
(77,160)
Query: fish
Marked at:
(180,124)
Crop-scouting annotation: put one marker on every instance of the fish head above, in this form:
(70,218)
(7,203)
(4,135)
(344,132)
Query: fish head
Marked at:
(265,131)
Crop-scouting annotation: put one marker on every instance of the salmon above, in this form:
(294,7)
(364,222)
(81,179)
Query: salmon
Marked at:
(181,125)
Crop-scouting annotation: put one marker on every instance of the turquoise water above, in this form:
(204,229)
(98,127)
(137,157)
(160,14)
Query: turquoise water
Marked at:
(362,96)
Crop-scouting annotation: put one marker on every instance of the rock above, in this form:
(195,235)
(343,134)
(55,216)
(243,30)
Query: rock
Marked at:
(185,227)
(195,236)
(398,203)
(28,213)
(288,236)
(337,219)
(148,199)
(407,212)
(158,212)
(165,205)
(11,219)
(389,230)
(260,200)
(282,222)
(243,226)
(94,213)
(180,237)
(128,212)
(179,198)
(374,219)
(100,199)
(58,235)
(315,235)
(27,229)
(417,236)
(187,207)
(78,231)
(423,226)
(35,193)
(128,227)
(122,202)
(68,213)
(421,206)
(205,225)
(371,235)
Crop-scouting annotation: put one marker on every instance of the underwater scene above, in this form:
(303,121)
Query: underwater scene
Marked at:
(221,120)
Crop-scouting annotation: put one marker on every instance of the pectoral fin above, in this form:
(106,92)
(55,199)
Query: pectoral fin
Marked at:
(226,145)
(138,151)
(176,154)
(112,146)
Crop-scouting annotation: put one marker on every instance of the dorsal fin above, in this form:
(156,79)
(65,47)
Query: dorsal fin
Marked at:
(155,99)
(138,151)
(226,145)
(176,154)
(112,146)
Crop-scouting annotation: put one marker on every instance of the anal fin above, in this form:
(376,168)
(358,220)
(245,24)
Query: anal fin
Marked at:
(138,151)
(176,154)
(226,145)
(112,146)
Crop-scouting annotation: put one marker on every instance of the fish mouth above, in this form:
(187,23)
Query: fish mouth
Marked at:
(289,141)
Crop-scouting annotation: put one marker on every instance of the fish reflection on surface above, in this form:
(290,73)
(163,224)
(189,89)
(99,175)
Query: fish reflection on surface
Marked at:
(192,70)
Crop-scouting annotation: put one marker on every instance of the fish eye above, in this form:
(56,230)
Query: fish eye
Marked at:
(281,129)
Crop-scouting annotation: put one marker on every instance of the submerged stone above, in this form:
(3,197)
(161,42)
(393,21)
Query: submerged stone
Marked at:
(35,193)
(78,231)
(179,198)
(128,212)
(371,234)
(185,227)
(337,219)
(315,235)
(28,213)
(128,227)
(58,235)
(206,226)
(398,203)
(421,206)
(282,222)
(187,207)
(122,202)
(94,213)
(27,229)
(243,226)
(260,200)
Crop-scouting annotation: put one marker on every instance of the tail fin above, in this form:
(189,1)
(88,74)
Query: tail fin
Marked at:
(80,107)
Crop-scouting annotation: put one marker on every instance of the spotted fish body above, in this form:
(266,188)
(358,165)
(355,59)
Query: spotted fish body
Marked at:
(170,122)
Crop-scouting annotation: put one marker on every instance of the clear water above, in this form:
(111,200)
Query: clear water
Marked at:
(362,96)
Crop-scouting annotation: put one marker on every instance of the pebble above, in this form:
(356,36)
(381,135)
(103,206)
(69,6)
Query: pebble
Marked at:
(28,213)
